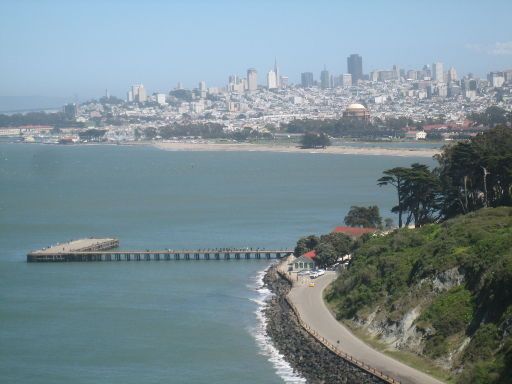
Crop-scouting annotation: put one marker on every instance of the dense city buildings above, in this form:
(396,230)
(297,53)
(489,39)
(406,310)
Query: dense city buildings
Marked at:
(439,102)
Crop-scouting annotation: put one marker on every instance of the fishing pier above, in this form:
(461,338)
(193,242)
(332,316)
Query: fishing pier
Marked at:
(94,249)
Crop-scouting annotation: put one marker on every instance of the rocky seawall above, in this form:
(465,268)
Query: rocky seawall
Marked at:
(310,358)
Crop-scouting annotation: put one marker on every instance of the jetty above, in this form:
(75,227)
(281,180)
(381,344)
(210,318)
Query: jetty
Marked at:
(105,249)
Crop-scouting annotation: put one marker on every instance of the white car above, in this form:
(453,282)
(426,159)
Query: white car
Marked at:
(317,273)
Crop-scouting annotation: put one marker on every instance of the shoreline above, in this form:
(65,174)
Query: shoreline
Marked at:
(311,359)
(331,150)
(247,147)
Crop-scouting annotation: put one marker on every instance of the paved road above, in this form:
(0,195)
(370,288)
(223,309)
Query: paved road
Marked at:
(311,306)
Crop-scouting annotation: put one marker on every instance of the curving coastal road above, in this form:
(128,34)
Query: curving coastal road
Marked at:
(310,304)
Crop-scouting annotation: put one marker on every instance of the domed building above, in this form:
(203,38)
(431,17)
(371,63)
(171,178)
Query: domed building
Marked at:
(358,111)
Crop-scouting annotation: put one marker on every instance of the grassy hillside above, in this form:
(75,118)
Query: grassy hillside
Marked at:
(443,291)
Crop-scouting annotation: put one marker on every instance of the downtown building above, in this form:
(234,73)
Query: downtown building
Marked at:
(355,67)
(306,79)
(252,79)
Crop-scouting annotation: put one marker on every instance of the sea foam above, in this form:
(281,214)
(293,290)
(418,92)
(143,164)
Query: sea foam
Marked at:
(263,340)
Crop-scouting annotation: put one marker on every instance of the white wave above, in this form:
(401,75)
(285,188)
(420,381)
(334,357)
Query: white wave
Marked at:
(263,340)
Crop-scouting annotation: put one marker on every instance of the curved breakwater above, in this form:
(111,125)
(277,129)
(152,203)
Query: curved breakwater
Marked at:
(307,356)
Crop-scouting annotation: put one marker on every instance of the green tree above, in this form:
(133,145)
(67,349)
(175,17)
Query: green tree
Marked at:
(418,193)
(182,94)
(150,133)
(92,134)
(364,217)
(341,243)
(326,255)
(477,173)
(306,244)
(422,194)
(315,140)
(491,117)
(396,177)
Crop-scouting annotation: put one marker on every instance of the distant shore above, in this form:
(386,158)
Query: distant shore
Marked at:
(332,150)
(278,148)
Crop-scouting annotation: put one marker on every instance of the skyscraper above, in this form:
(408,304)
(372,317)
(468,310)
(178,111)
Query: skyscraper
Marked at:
(142,97)
(138,94)
(325,79)
(306,79)
(202,89)
(278,75)
(252,79)
(355,67)
(271,80)
(452,75)
(346,80)
(437,72)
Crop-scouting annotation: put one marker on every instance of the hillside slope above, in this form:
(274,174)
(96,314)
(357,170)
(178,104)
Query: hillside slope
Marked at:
(443,291)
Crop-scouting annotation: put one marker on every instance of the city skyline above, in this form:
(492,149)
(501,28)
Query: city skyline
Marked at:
(59,54)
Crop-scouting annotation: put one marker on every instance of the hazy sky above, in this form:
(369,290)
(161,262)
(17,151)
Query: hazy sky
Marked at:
(63,48)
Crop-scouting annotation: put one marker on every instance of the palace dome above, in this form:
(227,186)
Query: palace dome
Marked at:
(357,111)
(356,107)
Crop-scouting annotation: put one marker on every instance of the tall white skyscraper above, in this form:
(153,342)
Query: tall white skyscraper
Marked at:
(346,80)
(139,93)
(271,80)
(437,72)
(202,89)
(452,75)
(135,92)
(143,97)
(252,79)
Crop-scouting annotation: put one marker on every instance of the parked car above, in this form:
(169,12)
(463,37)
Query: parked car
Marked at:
(317,273)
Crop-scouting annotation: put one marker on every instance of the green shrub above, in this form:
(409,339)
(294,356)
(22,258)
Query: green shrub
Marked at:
(451,311)
(483,344)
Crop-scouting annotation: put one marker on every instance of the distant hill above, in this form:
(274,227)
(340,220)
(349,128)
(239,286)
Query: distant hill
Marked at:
(21,104)
(443,291)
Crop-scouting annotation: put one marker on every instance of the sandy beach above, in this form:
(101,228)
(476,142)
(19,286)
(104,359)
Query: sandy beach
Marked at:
(332,150)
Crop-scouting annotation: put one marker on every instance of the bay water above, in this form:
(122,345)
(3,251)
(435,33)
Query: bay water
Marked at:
(158,322)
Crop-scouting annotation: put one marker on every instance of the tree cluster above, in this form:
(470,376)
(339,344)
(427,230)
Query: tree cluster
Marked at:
(492,116)
(348,127)
(328,248)
(92,134)
(204,130)
(417,190)
(315,140)
(470,175)
(368,217)
(182,94)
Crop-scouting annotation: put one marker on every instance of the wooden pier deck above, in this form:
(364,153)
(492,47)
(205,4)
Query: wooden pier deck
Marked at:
(103,250)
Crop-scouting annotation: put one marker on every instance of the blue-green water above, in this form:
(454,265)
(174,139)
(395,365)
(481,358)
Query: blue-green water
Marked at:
(156,322)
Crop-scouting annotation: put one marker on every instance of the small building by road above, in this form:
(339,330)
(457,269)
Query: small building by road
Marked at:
(304,262)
